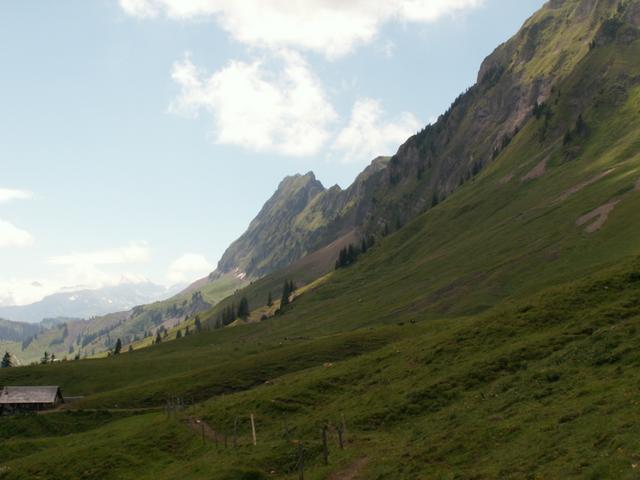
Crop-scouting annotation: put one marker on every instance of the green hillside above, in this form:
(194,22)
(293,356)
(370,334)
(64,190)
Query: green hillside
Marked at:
(494,335)
(554,369)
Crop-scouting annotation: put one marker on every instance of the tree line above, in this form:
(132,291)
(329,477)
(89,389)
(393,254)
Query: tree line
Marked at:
(348,255)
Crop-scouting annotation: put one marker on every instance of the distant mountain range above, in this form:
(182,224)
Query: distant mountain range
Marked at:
(86,303)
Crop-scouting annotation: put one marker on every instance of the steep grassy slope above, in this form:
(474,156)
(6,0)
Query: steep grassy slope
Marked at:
(555,204)
(545,383)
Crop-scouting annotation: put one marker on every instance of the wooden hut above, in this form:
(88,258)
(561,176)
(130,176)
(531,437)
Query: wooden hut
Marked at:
(16,400)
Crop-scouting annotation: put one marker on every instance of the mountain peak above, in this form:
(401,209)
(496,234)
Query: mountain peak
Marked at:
(260,247)
(298,181)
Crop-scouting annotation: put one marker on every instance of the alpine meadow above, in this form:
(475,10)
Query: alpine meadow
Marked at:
(468,308)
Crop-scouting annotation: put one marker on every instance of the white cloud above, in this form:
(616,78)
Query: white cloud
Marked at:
(9,194)
(331,27)
(369,132)
(187,268)
(86,270)
(135,252)
(140,8)
(12,236)
(253,106)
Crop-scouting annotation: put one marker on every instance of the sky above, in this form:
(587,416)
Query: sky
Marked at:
(138,138)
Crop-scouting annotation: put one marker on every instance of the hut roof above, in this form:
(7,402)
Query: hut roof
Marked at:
(13,395)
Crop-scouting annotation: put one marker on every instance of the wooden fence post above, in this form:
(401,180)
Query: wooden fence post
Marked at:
(340,437)
(235,432)
(301,460)
(253,429)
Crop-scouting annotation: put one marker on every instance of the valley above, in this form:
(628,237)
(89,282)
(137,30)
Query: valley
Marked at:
(468,308)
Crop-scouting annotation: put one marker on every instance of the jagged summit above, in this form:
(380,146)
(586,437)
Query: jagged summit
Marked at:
(300,217)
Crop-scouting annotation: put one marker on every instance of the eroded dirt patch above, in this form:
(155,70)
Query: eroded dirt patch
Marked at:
(352,472)
(576,188)
(201,427)
(537,171)
(596,219)
(506,179)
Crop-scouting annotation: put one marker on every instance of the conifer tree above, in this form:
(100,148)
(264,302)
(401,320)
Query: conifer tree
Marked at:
(243,308)
(118,348)
(158,338)
(581,126)
(130,348)
(286,292)
(269,300)
(179,334)
(45,358)
(7,362)
(351,254)
(198,324)
(228,315)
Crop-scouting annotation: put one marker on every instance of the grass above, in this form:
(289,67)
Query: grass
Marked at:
(542,381)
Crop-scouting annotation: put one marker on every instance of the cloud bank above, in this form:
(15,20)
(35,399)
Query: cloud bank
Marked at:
(80,270)
(332,28)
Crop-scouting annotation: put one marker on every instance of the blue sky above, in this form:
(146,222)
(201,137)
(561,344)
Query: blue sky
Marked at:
(139,137)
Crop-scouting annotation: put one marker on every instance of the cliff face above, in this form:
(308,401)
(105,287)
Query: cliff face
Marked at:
(520,74)
(301,217)
(272,240)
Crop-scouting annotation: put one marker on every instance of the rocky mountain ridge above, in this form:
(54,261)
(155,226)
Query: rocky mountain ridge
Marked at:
(520,75)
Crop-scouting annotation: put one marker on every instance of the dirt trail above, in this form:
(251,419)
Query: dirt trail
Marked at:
(64,409)
(352,472)
(585,184)
(597,218)
(506,179)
